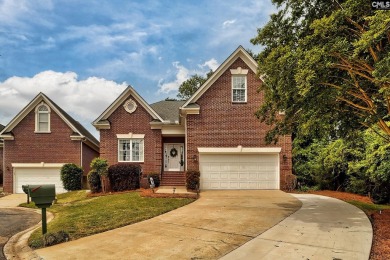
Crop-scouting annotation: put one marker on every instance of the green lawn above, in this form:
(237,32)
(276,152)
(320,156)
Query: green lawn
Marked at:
(81,216)
(367,207)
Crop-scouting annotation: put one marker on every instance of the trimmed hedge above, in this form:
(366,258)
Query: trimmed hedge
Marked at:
(192,179)
(71,177)
(94,181)
(156,178)
(124,176)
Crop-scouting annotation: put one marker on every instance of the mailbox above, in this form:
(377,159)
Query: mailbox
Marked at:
(25,190)
(42,195)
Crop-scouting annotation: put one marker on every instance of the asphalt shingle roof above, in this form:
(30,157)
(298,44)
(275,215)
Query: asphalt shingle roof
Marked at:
(168,109)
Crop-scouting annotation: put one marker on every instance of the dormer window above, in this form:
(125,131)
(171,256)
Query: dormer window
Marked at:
(42,119)
(239,85)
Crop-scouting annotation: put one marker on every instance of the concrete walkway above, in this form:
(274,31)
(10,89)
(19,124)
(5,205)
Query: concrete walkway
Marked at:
(324,228)
(12,200)
(217,223)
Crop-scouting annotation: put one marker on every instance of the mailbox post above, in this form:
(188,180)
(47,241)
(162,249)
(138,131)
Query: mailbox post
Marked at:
(43,197)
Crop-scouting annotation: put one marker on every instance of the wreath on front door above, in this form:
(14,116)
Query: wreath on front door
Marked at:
(173,152)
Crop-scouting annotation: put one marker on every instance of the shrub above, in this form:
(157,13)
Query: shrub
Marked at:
(100,166)
(156,178)
(94,182)
(124,176)
(71,176)
(192,179)
(50,239)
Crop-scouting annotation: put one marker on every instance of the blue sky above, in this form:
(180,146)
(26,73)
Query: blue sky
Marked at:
(82,54)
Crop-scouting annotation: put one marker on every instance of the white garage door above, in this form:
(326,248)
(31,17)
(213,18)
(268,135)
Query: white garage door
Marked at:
(37,176)
(239,171)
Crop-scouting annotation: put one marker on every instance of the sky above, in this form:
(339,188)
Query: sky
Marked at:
(83,54)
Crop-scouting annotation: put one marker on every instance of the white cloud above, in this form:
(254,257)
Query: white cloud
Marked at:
(85,99)
(227,23)
(211,64)
(182,74)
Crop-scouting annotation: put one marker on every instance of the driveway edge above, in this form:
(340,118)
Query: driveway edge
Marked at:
(17,246)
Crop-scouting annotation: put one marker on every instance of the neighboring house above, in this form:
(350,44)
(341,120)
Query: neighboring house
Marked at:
(215,131)
(1,156)
(39,140)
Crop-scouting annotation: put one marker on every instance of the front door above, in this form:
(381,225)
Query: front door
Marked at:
(174,157)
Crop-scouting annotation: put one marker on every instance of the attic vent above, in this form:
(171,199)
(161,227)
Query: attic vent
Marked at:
(130,106)
(43,108)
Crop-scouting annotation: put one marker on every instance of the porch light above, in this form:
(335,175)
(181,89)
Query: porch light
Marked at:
(195,158)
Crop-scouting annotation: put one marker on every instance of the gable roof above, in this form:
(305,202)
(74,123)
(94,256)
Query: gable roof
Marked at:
(168,109)
(77,128)
(240,52)
(129,91)
(1,127)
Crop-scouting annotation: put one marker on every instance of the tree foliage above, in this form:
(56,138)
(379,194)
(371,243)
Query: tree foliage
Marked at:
(191,85)
(326,64)
(358,163)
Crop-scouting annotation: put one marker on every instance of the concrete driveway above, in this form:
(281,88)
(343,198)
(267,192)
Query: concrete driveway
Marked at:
(324,228)
(212,226)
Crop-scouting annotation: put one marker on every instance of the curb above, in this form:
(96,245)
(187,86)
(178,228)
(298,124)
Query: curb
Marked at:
(17,246)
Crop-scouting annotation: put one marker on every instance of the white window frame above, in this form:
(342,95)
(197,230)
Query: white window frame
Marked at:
(239,72)
(37,118)
(131,137)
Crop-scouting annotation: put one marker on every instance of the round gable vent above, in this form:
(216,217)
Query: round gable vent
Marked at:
(130,106)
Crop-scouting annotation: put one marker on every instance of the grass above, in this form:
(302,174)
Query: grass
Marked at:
(368,207)
(80,215)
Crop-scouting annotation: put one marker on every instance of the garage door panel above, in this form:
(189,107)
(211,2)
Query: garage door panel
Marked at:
(37,176)
(248,171)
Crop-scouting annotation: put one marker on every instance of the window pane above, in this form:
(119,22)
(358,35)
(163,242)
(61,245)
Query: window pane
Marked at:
(44,127)
(43,117)
(239,95)
(238,82)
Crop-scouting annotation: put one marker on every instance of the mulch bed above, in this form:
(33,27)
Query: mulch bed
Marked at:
(148,193)
(380,223)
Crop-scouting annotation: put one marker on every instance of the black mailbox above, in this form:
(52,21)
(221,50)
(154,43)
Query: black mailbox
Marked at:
(42,195)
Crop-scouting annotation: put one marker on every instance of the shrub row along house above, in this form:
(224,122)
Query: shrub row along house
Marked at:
(215,132)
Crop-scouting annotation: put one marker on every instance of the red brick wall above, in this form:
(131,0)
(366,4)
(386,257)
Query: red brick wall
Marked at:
(137,123)
(30,147)
(222,123)
(1,166)
(88,155)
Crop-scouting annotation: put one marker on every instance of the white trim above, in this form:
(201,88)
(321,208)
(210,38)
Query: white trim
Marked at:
(129,91)
(37,165)
(190,111)
(131,139)
(239,149)
(239,71)
(77,137)
(240,52)
(246,88)
(37,112)
(172,130)
(130,136)
(126,106)
(7,137)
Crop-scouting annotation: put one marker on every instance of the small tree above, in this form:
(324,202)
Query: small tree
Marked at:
(100,166)
(71,177)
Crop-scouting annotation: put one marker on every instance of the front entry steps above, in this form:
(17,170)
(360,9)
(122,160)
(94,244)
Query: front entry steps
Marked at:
(173,179)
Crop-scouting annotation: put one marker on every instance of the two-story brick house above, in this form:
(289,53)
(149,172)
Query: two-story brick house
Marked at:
(215,131)
(39,141)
